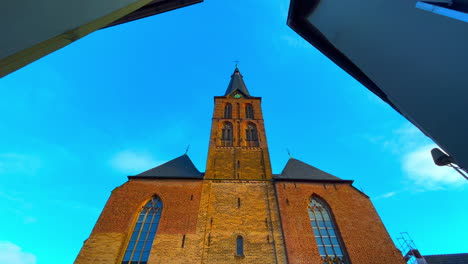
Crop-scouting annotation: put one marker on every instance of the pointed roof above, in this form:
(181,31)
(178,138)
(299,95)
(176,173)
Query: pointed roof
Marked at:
(298,170)
(236,84)
(181,167)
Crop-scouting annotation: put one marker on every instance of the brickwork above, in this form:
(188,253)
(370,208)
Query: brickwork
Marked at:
(101,248)
(181,201)
(239,161)
(201,219)
(364,235)
(246,208)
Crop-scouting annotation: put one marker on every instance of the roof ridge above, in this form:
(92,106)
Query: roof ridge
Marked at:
(299,170)
(180,167)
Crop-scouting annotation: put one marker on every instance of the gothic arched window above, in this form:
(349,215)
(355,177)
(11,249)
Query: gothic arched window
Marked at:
(226,136)
(139,247)
(249,112)
(228,111)
(326,234)
(240,246)
(251,135)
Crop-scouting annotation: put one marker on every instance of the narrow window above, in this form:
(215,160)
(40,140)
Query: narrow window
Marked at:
(183,242)
(249,113)
(251,135)
(238,202)
(328,240)
(226,136)
(240,246)
(228,111)
(139,247)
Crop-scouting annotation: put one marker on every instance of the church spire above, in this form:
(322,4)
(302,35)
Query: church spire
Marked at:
(237,84)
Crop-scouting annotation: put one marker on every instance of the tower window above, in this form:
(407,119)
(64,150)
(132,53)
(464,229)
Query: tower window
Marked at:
(249,112)
(228,111)
(226,136)
(251,135)
(183,241)
(240,246)
(143,234)
(328,240)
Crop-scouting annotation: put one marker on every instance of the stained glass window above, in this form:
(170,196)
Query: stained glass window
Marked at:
(328,240)
(139,247)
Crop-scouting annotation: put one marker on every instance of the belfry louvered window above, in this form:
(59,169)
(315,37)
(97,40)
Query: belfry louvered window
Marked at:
(228,111)
(328,240)
(251,135)
(249,112)
(139,247)
(226,135)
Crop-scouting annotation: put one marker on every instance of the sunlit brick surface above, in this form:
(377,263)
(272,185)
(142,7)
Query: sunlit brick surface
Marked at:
(201,219)
(365,238)
(181,201)
(240,161)
(255,218)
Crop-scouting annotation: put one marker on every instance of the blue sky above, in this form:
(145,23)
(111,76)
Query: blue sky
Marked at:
(128,98)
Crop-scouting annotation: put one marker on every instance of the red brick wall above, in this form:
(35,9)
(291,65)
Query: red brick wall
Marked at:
(127,200)
(362,231)
(181,202)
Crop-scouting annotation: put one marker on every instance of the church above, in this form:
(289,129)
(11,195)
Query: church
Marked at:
(238,211)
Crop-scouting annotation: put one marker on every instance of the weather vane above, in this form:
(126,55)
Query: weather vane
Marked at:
(289,153)
(237,62)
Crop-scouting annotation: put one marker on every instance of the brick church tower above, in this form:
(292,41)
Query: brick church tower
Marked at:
(238,211)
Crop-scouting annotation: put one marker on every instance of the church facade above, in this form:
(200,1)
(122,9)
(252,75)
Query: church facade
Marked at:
(238,211)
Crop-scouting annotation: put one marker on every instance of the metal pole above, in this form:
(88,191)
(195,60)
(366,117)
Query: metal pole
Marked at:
(459,171)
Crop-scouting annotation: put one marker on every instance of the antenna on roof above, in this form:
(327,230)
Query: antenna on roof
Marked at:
(187,149)
(409,249)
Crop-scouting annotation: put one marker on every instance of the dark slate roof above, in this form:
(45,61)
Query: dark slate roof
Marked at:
(447,259)
(237,84)
(298,170)
(181,167)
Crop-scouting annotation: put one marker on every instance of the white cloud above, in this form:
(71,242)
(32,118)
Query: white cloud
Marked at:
(12,254)
(420,168)
(414,148)
(385,195)
(131,162)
